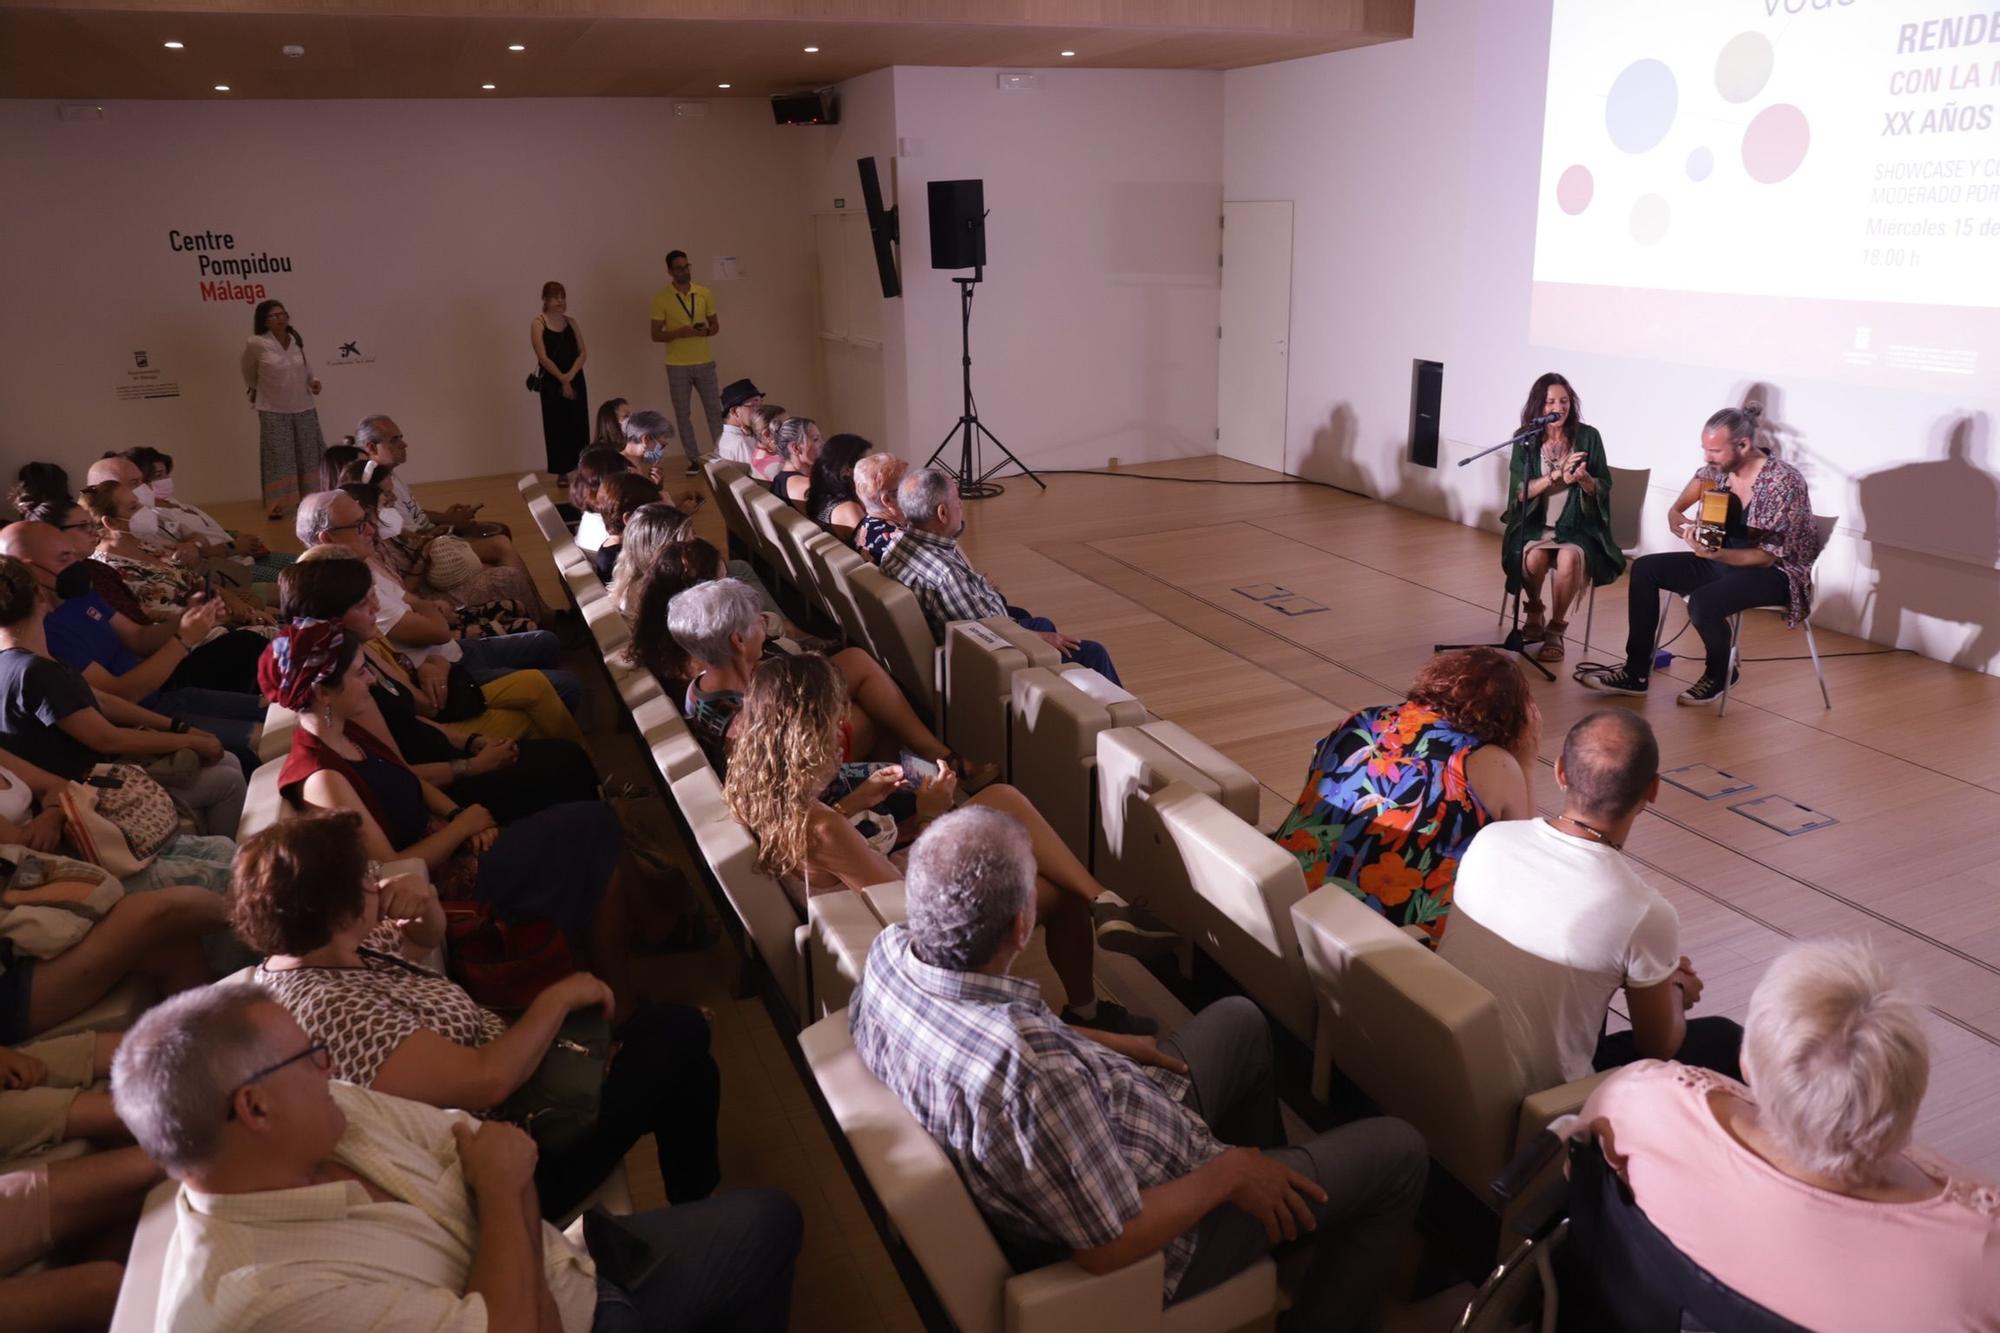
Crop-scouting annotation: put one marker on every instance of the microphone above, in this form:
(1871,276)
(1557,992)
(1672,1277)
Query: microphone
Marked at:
(1545,419)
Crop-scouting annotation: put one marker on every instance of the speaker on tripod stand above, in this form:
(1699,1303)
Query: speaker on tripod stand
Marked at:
(958,241)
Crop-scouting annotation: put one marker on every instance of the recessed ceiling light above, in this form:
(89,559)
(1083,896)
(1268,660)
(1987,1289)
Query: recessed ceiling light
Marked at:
(517,47)
(1067,54)
(812,50)
(722,85)
(488,87)
(171,46)
(222,87)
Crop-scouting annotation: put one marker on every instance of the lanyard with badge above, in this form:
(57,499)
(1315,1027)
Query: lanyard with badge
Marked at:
(688,308)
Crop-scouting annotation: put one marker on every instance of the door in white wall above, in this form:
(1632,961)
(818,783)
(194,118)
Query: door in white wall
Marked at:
(1256,331)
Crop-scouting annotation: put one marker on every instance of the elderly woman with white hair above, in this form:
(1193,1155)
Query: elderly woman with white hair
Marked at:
(722,628)
(876,478)
(1800,1188)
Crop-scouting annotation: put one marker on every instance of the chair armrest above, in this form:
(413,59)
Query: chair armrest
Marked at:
(1062,1298)
(1540,1109)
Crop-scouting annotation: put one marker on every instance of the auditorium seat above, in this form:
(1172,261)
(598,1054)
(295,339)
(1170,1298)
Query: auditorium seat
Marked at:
(1131,853)
(263,804)
(607,626)
(583,584)
(844,927)
(832,562)
(676,752)
(115,1011)
(774,924)
(764,511)
(562,546)
(721,473)
(1420,1038)
(1054,721)
(980,659)
(1241,889)
(793,531)
(279,724)
(901,636)
(928,1207)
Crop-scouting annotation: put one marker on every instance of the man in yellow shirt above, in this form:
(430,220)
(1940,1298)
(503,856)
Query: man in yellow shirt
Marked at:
(684,319)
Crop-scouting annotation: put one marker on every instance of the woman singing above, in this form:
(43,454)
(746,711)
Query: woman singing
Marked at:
(1558,513)
(559,353)
(281,386)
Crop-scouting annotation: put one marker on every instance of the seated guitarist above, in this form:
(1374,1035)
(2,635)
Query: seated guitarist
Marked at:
(1764,559)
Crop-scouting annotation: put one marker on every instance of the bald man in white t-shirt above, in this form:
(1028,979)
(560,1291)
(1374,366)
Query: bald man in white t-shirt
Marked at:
(1550,916)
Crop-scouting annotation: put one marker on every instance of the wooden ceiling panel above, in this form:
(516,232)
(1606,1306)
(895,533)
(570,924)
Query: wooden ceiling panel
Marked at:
(585,48)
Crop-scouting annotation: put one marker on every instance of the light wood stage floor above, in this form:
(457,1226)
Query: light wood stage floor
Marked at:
(1907,759)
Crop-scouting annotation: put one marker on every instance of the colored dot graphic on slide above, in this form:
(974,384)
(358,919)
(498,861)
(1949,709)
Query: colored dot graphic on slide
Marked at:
(1639,113)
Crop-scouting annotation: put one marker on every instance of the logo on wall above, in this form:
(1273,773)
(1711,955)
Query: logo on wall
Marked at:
(143,381)
(350,354)
(139,360)
(228,274)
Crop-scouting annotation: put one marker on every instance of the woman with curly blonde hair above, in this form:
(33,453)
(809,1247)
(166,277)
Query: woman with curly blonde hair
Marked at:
(784,756)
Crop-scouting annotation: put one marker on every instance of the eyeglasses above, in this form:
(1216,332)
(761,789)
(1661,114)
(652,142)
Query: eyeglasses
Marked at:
(356,526)
(322,1060)
(74,527)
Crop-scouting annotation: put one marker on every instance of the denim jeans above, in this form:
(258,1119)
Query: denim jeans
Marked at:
(229,716)
(537,650)
(1089,652)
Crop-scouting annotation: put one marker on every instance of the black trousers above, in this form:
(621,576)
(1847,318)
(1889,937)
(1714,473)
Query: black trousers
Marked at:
(662,1082)
(1710,1043)
(1715,592)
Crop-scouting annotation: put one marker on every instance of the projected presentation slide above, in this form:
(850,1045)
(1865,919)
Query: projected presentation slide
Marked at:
(1805,186)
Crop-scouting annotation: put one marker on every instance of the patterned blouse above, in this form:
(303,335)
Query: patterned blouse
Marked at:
(161,588)
(875,535)
(364,1013)
(1780,505)
(1388,811)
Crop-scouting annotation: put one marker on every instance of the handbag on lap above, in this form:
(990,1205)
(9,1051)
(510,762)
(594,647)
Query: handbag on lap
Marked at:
(118,818)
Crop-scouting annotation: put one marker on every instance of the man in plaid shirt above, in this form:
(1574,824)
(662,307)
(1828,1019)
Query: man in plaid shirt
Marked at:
(1103,1147)
(926,558)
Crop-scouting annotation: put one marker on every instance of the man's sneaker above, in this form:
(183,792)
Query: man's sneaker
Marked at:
(1616,681)
(1705,691)
(1130,930)
(1112,1018)
(694,469)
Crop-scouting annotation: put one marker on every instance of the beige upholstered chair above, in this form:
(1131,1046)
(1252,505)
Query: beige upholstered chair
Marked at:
(722,476)
(832,563)
(279,724)
(900,635)
(1055,719)
(770,921)
(1420,1038)
(980,659)
(929,1208)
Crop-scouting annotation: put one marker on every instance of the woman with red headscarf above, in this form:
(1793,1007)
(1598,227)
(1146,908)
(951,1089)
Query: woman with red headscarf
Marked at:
(560,864)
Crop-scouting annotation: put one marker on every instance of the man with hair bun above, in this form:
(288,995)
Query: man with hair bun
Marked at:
(1553,919)
(1766,560)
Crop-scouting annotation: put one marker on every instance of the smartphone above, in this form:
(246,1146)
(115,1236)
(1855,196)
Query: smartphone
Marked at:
(915,769)
(106,783)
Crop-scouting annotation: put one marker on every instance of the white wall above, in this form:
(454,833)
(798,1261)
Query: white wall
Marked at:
(864,385)
(420,230)
(1093,335)
(1414,167)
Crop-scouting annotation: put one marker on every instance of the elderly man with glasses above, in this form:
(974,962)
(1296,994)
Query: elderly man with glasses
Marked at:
(307,1203)
(420,628)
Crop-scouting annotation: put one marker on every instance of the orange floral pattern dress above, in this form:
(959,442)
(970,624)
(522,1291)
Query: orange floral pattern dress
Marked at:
(1387,812)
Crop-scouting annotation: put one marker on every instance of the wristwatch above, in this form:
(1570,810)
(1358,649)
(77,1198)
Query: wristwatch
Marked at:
(179,727)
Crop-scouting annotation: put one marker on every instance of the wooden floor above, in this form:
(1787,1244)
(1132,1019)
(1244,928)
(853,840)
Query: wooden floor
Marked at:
(1908,760)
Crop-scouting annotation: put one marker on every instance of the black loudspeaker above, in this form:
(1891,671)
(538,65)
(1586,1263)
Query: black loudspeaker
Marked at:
(804,109)
(958,224)
(1426,399)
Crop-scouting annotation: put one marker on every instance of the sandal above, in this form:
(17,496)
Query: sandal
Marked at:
(1552,643)
(1534,626)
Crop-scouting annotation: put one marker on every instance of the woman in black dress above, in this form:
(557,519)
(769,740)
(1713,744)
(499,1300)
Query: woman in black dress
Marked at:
(560,354)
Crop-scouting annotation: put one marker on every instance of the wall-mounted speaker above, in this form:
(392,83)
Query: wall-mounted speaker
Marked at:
(958,224)
(1426,400)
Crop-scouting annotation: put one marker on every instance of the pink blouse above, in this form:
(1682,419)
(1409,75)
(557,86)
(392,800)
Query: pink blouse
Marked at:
(1832,1263)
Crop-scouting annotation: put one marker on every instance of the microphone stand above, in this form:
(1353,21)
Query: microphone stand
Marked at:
(1513,643)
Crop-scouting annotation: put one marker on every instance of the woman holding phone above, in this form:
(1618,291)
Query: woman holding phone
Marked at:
(1558,513)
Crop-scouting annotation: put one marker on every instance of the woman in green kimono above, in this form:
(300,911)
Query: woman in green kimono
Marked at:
(1558,514)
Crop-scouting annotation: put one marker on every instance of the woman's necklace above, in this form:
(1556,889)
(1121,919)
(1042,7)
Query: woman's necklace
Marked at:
(1597,835)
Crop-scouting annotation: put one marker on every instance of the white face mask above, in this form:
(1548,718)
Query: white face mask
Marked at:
(143,493)
(163,489)
(388,522)
(144,524)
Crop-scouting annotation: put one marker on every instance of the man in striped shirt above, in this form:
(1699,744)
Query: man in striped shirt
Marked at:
(1104,1147)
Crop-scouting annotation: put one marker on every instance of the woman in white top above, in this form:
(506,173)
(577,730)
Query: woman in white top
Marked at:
(280,384)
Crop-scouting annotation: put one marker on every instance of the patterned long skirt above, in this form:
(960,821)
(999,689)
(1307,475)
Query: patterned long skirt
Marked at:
(289,447)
